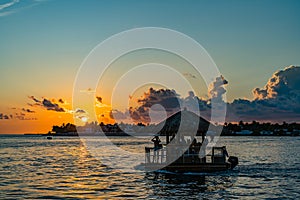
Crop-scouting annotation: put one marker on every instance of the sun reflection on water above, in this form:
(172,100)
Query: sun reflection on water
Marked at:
(33,167)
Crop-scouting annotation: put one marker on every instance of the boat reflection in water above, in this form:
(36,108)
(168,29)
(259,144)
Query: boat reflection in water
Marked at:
(164,184)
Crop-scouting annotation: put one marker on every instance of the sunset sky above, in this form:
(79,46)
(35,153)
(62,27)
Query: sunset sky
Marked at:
(44,42)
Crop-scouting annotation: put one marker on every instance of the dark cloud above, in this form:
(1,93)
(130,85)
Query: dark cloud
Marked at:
(189,75)
(34,99)
(79,111)
(18,116)
(22,116)
(278,101)
(47,104)
(119,115)
(195,104)
(203,107)
(167,98)
(61,101)
(260,110)
(4,116)
(259,93)
(28,110)
(99,99)
(52,106)
(100,104)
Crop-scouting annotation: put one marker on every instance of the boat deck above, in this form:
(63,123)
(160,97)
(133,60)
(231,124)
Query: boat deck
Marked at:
(187,161)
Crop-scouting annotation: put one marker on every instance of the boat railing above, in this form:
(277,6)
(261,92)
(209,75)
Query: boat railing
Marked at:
(154,155)
(180,154)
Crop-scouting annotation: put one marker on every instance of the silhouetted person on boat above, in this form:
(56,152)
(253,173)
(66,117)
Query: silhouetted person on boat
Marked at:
(156,142)
(182,140)
(225,151)
(157,146)
(194,142)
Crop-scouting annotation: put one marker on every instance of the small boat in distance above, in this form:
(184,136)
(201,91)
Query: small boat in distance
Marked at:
(178,155)
(49,137)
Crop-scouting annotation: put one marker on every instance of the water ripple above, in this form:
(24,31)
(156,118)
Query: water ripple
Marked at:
(35,168)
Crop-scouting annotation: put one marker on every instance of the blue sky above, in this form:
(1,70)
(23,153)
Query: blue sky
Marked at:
(42,41)
(243,37)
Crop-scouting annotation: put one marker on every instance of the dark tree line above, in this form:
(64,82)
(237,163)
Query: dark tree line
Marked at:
(64,128)
(256,128)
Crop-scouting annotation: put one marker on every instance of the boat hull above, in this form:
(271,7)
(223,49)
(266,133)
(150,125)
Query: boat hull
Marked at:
(198,168)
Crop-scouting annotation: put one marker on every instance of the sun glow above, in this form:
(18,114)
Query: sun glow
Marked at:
(84,119)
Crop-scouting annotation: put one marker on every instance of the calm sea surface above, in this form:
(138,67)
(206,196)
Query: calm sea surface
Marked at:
(36,168)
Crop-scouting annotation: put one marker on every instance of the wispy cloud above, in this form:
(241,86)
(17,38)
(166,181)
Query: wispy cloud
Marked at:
(17,116)
(89,91)
(100,104)
(189,75)
(5,8)
(2,14)
(14,6)
(28,110)
(9,4)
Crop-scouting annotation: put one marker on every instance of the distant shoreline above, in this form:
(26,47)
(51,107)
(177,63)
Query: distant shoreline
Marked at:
(75,134)
(125,134)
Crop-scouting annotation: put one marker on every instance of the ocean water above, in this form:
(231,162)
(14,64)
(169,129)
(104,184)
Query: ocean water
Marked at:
(33,167)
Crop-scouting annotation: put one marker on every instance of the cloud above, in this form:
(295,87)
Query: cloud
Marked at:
(100,104)
(15,6)
(260,110)
(9,4)
(80,114)
(2,14)
(99,99)
(4,116)
(89,91)
(194,104)
(278,101)
(52,106)
(167,98)
(189,75)
(23,116)
(216,89)
(18,116)
(34,99)
(119,115)
(61,101)
(47,104)
(283,83)
(78,110)
(28,110)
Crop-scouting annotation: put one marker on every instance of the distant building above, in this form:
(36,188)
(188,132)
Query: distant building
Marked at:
(244,132)
(266,132)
